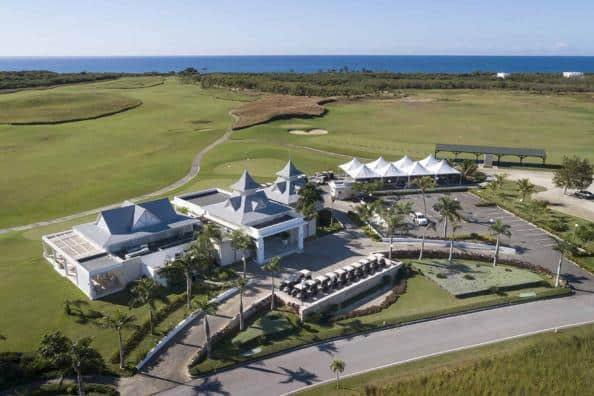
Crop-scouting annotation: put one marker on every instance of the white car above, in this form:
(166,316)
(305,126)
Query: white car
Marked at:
(419,218)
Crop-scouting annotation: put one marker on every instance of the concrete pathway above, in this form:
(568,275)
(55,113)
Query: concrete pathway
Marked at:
(169,367)
(307,366)
(192,173)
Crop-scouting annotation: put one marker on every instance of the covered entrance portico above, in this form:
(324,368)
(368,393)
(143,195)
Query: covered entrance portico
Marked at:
(280,239)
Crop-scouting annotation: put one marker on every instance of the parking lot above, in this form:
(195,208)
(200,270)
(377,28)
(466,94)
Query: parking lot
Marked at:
(531,243)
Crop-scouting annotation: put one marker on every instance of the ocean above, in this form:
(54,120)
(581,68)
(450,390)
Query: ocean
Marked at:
(304,64)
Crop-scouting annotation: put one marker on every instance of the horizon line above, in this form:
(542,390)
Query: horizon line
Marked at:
(293,55)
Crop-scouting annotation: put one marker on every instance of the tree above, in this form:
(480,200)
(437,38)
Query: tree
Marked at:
(424,184)
(189,262)
(497,229)
(394,221)
(309,197)
(455,227)
(574,173)
(240,283)
(366,188)
(584,233)
(64,354)
(273,266)
(564,248)
(117,322)
(468,169)
(526,188)
(332,200)
(241,241)
(208,308)
(365,211)
(209,234)
(337,366)
(448,209)
(430,226)
(146,292)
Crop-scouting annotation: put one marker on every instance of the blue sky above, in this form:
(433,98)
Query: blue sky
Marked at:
(219,27)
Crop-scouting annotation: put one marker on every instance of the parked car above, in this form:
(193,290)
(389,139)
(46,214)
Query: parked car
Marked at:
(419,218)
(584,194)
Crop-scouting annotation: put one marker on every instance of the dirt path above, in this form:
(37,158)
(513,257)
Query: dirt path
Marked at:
(192,173)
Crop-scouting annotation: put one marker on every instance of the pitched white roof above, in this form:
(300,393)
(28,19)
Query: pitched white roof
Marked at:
(363,172)
(390,171)
(378,164)
(403,163)
(429,161)
(443,168)
(416,169)
(351,165)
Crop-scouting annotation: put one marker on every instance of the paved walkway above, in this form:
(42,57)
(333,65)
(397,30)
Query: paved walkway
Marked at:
(192,173)
(169,367)
(307,366)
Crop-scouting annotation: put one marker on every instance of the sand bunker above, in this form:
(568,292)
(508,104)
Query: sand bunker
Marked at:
(311,132)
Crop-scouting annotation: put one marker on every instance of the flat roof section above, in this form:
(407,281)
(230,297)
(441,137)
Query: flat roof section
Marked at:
(206,198)
(278,220)
(98,263)
(74,245)
(516,151)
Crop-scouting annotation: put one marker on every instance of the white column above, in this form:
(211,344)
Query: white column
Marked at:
(300,236)
(260,259)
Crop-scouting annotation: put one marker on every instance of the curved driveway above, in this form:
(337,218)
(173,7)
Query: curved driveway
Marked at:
(294,370)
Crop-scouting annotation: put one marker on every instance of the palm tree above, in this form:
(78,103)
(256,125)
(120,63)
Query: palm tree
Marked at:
(273,266)
(425,183)
(208,308)
(448,210)
(364,211)
(64,353)
(146,292)
(403,207)
(394,221)
(337,366)
(117,322)
(189,262)
(526,188)
(468,169)
(430,226)
(241,241)
(240,283)
(210,232)
(332,200)
(455,227)
(309,196)
(564,248)
(497,229)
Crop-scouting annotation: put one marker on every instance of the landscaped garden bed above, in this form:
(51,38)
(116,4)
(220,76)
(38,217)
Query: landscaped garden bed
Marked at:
(464,278)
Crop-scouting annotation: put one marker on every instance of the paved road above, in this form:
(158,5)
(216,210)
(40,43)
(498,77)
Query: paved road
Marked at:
(192,173)
(308,366)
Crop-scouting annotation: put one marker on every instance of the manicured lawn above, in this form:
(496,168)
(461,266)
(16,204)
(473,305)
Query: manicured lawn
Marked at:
(53,170)
(464,277)
(51,106)
(133,82)
(544,364)
(560,124)
(423,298)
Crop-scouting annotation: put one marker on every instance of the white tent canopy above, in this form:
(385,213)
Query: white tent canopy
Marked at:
(351,165)
(443,168)
(416,169)
(429,161)
(390,171)
(378,164)
(363,172)
(403,163)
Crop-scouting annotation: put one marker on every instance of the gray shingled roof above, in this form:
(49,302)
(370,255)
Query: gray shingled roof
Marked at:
(247,210)
(289,171)
(284,191)
(133,221)
(245,183)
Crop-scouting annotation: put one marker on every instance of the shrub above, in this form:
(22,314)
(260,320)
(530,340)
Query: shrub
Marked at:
(469,277)
(558,225)
(441,275)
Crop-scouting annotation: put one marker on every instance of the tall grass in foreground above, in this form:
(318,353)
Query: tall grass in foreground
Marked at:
(551,364)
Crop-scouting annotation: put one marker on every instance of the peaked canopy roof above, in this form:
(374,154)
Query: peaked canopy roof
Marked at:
(403,162)
(443,168)
(289,171)
(363,172)
(351,165)
(390,171)
(245,183)
(416,169)
(429,161)
(378,164)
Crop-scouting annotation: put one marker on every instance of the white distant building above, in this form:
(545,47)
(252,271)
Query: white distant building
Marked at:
(503,75)
(573,74)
